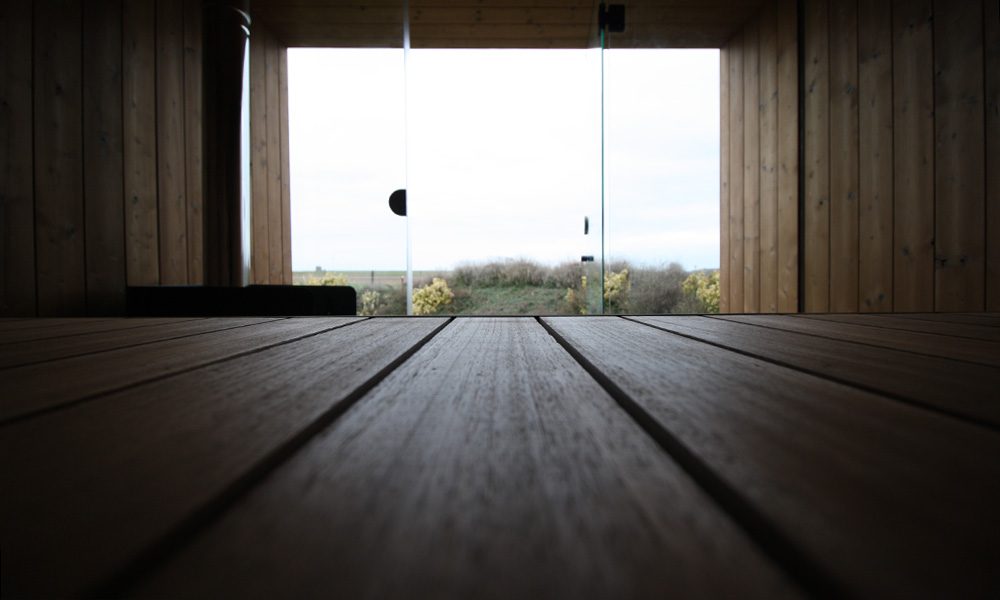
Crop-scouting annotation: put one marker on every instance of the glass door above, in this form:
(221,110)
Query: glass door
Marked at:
(347,133)
(504,177)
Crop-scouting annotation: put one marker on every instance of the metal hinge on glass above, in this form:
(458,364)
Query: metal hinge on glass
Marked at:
(611,17)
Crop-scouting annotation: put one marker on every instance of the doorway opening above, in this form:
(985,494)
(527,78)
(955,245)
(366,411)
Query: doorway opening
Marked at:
(538,181)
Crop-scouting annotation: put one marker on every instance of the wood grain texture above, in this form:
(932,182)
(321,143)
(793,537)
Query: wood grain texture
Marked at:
(751,166)
(17,203)
(286,174)
(59,216)
(969,319)
(9,326)
(736,173)
(147,458)
(275,227)
(844,145)
(193,131)
(816,217)
(946,330)
(724,191)
(959,178)
(956,388)
(517,477)
(170,143)
(788,156)
(103,193)
(819,460)
(144,332)
(31,389)
(260,245)
(974,351)
(768,109)
(142,246)
(913,155)
(54,331)
(875,175)
(991,66)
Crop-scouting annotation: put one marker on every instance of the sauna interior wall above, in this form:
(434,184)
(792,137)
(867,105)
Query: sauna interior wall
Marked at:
(759,170)
(902,155)
(101,153)
(271,231)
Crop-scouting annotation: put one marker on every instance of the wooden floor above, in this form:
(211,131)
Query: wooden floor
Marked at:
(572,457)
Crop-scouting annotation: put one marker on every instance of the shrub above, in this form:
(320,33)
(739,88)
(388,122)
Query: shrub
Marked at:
(327,280)
(507,273)
(430,298)
(704,288)
(616,287)
(370,300)
(656,290)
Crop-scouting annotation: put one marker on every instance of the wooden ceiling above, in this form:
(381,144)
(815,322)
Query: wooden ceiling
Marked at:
(500,23)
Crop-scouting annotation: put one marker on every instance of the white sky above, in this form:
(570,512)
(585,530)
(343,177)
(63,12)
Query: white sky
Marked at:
(501,150)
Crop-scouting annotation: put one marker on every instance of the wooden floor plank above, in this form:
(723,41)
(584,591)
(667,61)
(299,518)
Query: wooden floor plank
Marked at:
(33,388)
(36,351)
(966,319)
(9,325)
(975,351)
(70,327)
(894,500)
(951,330)
(97,485)
(958,388)
(515,476)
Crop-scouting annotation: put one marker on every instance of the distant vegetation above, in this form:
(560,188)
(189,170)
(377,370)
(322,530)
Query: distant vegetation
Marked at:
(524,287)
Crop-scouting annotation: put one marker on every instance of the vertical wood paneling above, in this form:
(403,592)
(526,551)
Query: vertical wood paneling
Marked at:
(736,119)
(816,217)
(102,157)
(724,305)
(59,218)
(170,142)
(991,33)
(274,175)
(17,209)
(193,168)
(259,263)
(875,155)
(286,192)
(913,156)
(843,157)
(788,155)
(139,125)
(768,262)
(959,182)
(751,168)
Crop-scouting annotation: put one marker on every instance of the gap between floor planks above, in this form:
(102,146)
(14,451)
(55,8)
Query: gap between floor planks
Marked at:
(490,463)
(892,499)
(959,389)
(37,389)
(105,487)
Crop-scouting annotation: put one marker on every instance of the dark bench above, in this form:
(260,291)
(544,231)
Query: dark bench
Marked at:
(254,300)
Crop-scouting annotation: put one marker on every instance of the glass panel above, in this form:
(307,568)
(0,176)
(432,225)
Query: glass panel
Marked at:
(504,164)
(661,178)
(348,155)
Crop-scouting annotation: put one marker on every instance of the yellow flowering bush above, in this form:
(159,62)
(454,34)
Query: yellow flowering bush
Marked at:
(430,298)
(705,288)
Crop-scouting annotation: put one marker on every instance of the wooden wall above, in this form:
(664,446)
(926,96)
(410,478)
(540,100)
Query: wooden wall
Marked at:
(760,154)
(101,153)
(902,155)
(271,255)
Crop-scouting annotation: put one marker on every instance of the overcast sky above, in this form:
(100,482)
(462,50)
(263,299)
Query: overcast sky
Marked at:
(501,153)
